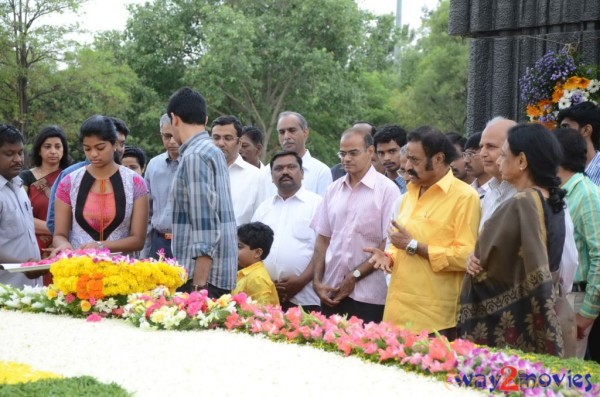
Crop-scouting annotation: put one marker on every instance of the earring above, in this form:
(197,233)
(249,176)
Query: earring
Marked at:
(521,169)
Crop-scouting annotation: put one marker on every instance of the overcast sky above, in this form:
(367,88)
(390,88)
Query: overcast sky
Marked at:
(99,15)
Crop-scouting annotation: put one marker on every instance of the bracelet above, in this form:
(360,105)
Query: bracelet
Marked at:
(387,254)
(100,245)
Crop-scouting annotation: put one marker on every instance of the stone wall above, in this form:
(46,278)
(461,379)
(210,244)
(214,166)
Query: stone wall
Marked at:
(507,36)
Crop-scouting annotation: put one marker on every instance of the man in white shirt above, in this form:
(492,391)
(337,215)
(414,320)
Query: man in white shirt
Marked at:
(492,138)
(292,130)
(244,177)
(17,233)
(289,213)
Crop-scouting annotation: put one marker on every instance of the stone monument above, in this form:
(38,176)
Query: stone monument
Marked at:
(507,36)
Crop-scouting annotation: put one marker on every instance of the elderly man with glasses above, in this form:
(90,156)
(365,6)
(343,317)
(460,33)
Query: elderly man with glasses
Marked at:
(160,173)
(226,132)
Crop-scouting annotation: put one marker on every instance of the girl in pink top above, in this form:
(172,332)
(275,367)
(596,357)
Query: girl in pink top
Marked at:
(101,205)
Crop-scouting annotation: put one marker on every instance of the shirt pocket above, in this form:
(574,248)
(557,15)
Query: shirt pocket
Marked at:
(302,231)
(11,218)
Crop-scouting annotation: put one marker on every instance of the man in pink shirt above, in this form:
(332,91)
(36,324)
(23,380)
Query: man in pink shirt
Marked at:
(354,214)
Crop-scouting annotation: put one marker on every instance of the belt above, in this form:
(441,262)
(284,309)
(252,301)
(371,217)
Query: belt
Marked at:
(166,236)
(579,287)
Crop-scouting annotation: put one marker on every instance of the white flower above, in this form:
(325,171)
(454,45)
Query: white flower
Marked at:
(594,86)
(564,103)
(567,94)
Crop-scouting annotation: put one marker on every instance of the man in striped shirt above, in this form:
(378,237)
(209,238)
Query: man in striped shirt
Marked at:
(583,199)
(204,228)
(585,118)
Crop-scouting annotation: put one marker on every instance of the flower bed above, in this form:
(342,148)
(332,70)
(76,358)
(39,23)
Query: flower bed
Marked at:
(459,363)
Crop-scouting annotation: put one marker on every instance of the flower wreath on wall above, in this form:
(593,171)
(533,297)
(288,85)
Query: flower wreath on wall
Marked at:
(557,81)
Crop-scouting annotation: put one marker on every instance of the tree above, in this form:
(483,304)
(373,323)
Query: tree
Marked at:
(255,59)
(433,78)
(28,49)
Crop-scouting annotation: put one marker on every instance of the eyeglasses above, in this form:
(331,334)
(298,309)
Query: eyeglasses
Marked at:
(469,155)
(351,153)
(226,138)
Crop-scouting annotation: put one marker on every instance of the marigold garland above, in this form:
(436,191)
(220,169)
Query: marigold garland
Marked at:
(97,274)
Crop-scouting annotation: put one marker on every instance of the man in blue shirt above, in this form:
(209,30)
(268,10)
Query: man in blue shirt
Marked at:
(204,228)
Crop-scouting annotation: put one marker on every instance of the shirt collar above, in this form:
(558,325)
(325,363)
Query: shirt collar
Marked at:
(169,160)
(200,135)
(306,156)
(443,183)
(246,270)
(17,181)
(368,180)
(240,163)
(572,182)
(300,195)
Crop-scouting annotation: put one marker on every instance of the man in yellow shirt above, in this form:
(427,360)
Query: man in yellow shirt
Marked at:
(254,243)
(435,231)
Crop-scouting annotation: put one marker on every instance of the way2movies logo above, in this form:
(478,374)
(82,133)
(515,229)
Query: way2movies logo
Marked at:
(510,380)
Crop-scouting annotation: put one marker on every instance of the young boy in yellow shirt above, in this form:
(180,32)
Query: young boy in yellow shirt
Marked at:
(254,243)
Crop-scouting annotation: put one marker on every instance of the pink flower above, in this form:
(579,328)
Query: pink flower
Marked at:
(240,298)
(437,349)
(70,298)
(118,311)
(194,308)
(92,301)
(294,315)
(93,318)
(233,321)
(462,347)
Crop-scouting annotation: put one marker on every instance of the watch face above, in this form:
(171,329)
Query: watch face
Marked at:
(356,273)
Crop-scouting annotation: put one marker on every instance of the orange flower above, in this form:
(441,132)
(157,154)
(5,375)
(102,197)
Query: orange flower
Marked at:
(576,82)
(90,287)
(558,93)
(545,106)
(550,124)
(533,111)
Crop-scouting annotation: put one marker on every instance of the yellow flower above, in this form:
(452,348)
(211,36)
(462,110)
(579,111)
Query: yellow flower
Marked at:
(51,293)
(11,373)
(85,306)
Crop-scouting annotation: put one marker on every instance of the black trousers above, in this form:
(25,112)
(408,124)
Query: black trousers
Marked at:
(594,341)
(213,292)
(157,242)
(307,308)
(366,311)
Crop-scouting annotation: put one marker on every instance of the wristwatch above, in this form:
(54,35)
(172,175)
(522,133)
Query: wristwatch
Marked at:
(411,248)
(100,245)
(356,274)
